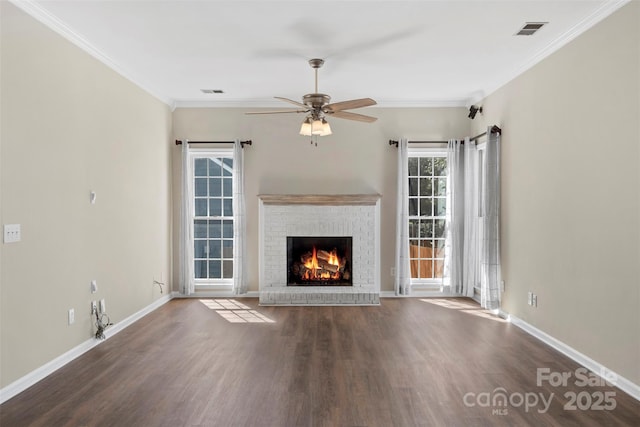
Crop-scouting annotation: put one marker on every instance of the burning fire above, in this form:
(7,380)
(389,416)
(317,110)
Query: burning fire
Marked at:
(327,267)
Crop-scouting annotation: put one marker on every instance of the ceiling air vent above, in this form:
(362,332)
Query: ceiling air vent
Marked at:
(530,28)
(211,90)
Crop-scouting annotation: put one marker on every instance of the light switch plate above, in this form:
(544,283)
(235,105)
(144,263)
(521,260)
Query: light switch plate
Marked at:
(11,233)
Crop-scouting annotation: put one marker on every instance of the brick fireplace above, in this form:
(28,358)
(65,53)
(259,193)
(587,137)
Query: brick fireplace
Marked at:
(356,217)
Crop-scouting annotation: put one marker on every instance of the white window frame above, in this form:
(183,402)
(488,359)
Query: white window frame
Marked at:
(196,153)
(432,284)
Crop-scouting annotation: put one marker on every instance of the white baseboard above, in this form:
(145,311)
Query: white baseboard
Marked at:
(47,369)
(419,294)
(621,382)
(218,294)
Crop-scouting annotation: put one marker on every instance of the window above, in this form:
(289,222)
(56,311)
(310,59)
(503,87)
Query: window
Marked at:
(427,215)
(212,208)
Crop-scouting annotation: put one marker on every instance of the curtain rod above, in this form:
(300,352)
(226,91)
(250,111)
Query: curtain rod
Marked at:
(242,143)
(494,129)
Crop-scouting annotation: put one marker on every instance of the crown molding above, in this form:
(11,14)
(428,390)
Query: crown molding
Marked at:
(589,21)
(45,17)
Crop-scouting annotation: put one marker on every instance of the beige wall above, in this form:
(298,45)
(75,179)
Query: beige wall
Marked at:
(357,158)
(571,191)
(71,125)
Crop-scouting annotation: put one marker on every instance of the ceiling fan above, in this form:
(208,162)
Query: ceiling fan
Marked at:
(317,107)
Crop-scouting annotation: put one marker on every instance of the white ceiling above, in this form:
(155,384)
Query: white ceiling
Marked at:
(400,53)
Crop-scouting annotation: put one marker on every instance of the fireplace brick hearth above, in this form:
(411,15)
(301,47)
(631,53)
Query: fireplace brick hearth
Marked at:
(355,216)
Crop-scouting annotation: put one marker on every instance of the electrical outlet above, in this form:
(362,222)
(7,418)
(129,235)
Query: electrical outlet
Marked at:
(94,307)
(393,272)
(529,298)
(103,306)
(71,316)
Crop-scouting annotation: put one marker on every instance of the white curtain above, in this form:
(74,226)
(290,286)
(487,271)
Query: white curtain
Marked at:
(471,255)
(454,261)
(490,245)
(402,282)
(461,268)
(186,226)
(239,220)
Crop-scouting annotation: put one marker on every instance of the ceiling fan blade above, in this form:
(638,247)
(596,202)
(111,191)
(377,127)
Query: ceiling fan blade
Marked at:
(299,104)
(276,112)
(348,105)
(352,116)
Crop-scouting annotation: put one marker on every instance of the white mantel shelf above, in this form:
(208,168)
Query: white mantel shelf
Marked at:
(320,199)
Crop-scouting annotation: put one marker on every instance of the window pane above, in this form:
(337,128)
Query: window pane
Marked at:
(200,269)
(413,207)
(215,187)
(201,207)
(215,207)
(426,228)
(200,166)
(413,166)
(438,268)
(439,229)
(413,227)
(429,245)
(200,249)
(426,185)
(413,186)
(214,249)
(415,266)
(227,229)
(215,229)
(441,187)
(426,270)
(440,166)
(439,248)
(214,167)
(228,187)
(228,167)
(440,206)
(425,207)
(227,249)
(201,187)
(228,207)
(227,269)
(426,166)
(215,270)
(200,228)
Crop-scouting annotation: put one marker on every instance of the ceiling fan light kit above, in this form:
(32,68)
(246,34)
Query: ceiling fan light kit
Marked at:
(317,107)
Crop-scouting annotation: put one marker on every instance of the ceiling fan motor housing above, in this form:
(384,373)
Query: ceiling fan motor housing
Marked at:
(316,100)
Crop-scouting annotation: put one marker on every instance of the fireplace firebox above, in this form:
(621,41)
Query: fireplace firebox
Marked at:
(319,261)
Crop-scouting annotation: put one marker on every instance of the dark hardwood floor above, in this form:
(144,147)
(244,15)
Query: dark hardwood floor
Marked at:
(408,362)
